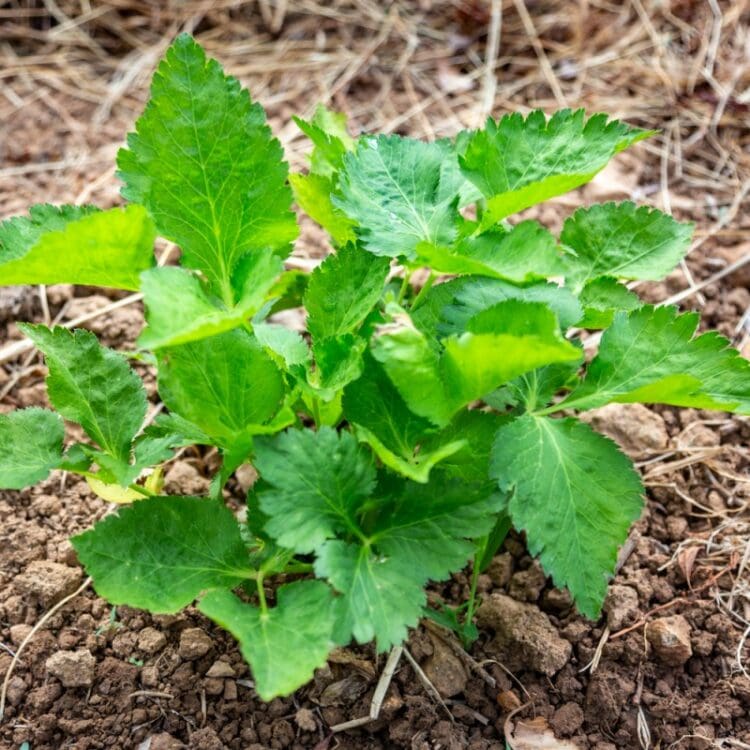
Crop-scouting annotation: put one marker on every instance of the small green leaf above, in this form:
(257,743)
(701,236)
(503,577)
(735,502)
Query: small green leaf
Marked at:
(338,361)
(283,342)
(316,482)
(286,644)
(623,241)
(204,163)
(343,290)
(400,193)
(574,493)
(226,385)
(77,245)
(32,441)
(518,162)
(328,132)
(161,553)
(93,386)
(602,298)
(653,356)
(180,310)
(526,252)
(313,194)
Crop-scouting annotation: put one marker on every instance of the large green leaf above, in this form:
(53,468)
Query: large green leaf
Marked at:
(286,644)
(161,553)
(574,493)
(316,482)
(423,534)
(653,356)
(202,160)
(343,290)
(518,162)
(623,241)
(526,252)
(179,309)
(93,386)
(32,441)
(77,245)
(226,385)
(500,343)
(401,192)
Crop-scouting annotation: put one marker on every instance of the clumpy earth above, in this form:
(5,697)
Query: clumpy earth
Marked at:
(661,661)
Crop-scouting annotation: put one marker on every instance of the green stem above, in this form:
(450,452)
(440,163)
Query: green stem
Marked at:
(299,567)
(261,594)
(423,291)
(472,603)
(404,285)
(316,411)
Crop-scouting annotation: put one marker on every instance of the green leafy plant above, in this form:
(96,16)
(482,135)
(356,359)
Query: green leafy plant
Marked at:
(409,428)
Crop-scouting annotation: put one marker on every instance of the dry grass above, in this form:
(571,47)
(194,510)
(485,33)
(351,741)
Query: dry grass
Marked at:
(74,76)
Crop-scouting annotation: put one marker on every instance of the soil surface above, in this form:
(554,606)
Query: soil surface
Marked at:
(663,666)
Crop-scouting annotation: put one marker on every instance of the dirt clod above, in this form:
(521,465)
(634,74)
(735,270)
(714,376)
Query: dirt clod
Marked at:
(305,720)
(194,643)
(151,641)
(48,581)
(670,639)
(221,669)
(635,428)
(524,635)
(164,741)
(73,668)
(567,720)
(621,606)
(445,670)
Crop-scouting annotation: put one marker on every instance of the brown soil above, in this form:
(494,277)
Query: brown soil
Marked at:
(663,667)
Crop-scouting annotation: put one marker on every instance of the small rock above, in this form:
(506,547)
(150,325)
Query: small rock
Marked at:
(305,720)
(557,600)
(183,478)
(230,690)
(607,695)
(670,639)
(621,606)
(508,701)
(634,427)
(567,720)
(151,640)
(164,741)
(445,670)
(48,581)
(194,643)
(500,569)
(213,686)
(246,477)
(221,669)
(72,668)
(150,676)
(19,632)
(16,690)
(343,692)
(524,635)
(527,585)
(697,435)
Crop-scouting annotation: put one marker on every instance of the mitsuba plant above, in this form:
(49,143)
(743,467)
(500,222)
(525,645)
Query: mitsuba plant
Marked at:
(404,433)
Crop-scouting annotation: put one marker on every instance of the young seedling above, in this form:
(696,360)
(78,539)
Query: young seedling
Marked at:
(406,431)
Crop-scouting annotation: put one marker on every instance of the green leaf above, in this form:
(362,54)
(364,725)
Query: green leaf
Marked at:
(623,241)
(313,194)
(161,553)
(226,385)
(179,309)
(401,193)
(525,252)
(316,482)
(396,435)
(602,298)
(32,441)
(202,160)
(77,245)
(653,356)
(477,294)
(575,494)
(338,361)
(518,162)
(343,290)
(285,343)
(328,132)
(423,535)
(93,386)
(501,343)
(285,645)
